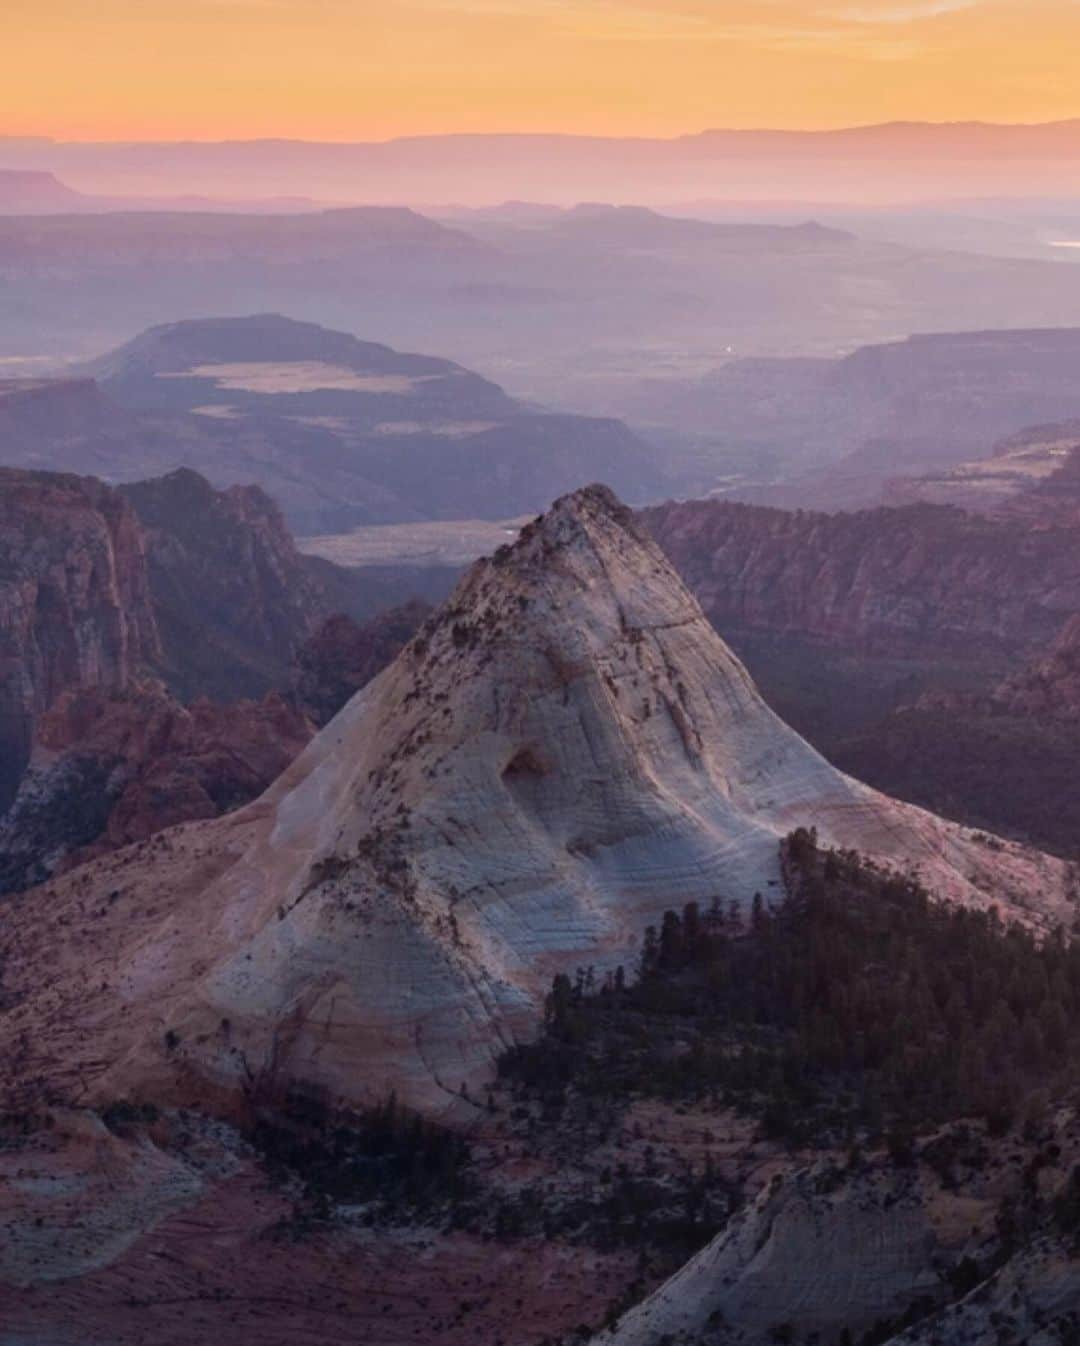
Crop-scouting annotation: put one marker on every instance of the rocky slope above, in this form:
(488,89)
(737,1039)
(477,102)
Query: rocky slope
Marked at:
(1003,757)
(1050,687)
(888,581)
(112,768)
(234,599)
(342,656)
(565,751)
(835,1252)
(75,603)
(816,1250)
(888,637)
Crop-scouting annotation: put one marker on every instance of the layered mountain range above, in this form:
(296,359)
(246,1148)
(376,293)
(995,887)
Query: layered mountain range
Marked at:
(832,433)
(925,159)
(913,581)
(339,431)
(1032,476)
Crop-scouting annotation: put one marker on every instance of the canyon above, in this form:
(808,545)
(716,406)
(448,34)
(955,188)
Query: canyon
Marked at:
(165,647)
(559,754)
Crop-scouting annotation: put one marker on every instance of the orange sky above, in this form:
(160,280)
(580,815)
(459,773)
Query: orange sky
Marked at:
(371,69)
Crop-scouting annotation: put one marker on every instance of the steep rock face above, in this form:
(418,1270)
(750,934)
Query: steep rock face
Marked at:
(1050,688)
(234,598)
(1002,757)
(112,768)
(342,656)
(895,581)
(75,602)
(567,750)
(827,1254)
(1033,1300)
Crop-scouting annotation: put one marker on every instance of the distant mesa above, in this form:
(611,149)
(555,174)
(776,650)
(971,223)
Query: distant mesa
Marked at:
(339,431)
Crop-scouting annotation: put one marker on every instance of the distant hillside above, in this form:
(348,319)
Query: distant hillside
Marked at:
(960,158)
(341,431)
(26,191)
(829,434)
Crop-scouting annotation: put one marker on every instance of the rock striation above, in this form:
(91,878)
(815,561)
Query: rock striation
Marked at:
(906,581)
(829,1254)
(75,603)
(234,599)
(563,752)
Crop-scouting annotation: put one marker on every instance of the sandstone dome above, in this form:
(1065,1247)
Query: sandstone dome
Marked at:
(563,752)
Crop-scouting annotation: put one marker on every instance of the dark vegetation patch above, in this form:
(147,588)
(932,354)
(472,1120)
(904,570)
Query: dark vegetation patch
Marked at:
(400,1166)
(854,1005)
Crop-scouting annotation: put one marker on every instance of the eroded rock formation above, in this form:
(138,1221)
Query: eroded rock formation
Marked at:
(342,656)
(75,602)
(884,581)
(113,767)
(234,598)
(566,750)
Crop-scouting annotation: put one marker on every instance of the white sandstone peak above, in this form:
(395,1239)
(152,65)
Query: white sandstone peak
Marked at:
(564,752)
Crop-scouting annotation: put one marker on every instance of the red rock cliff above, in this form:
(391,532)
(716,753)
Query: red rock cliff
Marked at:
(909,581)
(75,606)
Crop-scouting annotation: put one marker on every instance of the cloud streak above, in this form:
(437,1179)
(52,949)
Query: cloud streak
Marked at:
(902,14)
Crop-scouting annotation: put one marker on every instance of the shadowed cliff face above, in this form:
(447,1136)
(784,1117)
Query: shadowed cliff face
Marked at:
(234,598)
(99,584)
(343,656)
(103,591)
(113,767)
(915,581)
(75,602)
(1050,687)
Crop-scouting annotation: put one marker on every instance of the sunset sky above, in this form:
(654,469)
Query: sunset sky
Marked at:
(372,69)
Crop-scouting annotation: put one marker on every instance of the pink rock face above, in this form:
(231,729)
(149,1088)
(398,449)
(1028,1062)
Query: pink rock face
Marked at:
(910,581)
(75,606)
